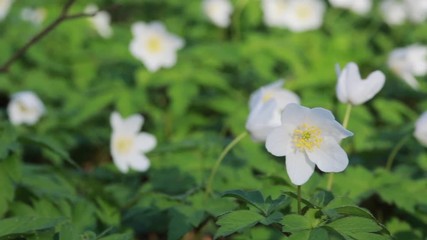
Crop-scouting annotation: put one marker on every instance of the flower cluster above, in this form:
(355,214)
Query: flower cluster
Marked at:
(360,6)
(25,108)
(396,12)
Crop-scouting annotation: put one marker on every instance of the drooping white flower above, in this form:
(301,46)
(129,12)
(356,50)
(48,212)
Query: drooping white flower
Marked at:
(274,12)
(101,22)
(417,10)
(128,145)
(357,6)
(4,8)
(25,108)
(408,62)
(303,15)
(35,16)
(420,132)
(266,105)
(154,46)
(351,88)
(218,11)
(308,137)
(393,11)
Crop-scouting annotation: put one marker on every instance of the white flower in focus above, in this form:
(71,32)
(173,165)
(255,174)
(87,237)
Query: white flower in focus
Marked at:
(303,15)
(417,10)
(35,16)
(275,12)
(154,46)
(409,62)
(101,22)
(308,137)
(25,108)
(358,6)
(266,105)
(393,12)
(128,145)
(351,88)
(218,11)
(420,132)
(4,8)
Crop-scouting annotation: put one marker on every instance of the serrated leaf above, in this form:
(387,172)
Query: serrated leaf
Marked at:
(350,225)
(296,223)
(237,221)
(253,198)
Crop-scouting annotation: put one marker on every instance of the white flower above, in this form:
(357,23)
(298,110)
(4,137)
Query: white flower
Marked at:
(303,15)
(100,22)
(409,62)
(266,105)
(128,145)
(358,6)
(275,12)
(393,12)
(417,10)
(154,46)
(4,8)
(218,11)
(33,15)
(308,137)
(351,88)
(420,132)
(25,108)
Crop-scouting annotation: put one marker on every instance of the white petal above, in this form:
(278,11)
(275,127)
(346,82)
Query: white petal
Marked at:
(341,88)
(411,81)
(121,163)
(299,167)
(420,132)
(145,142)
(278,142)
(139,28)
(116,120)
(325,120)
(139,162)
(133,123)
(364,90)
(262,120)
(294,114)
(330,157)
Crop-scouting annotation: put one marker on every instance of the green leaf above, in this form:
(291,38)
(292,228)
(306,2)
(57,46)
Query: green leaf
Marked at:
(122,236)
(7,141)
(237,221)
(296,223)
(370,236)
(350,225)
(275,217)
(254,198)
(22,225)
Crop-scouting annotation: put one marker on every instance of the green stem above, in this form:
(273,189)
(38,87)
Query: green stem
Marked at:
(220,158)
(344,124)
(394,152)
(239,9)
(299,198)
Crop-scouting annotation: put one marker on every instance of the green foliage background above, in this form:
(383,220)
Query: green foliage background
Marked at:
(57,178)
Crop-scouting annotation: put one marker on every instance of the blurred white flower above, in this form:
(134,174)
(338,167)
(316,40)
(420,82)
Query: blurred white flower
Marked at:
(351,88)
(275,12)
(303,15)
(420,132)
(308,137)
(408,62)
(266,105)
(358,6)
(25,108)
(417,10)
(128,145)
(393,11)
(154,46)
(218,11)
(35,16)
(4,8)
(101,22)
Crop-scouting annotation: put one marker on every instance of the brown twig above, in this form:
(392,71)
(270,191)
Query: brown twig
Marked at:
(4,68)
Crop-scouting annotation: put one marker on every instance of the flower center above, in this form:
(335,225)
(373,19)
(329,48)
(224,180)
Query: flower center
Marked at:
(22,107)
(154,44)
(307,138)
(303,11)
(267,96)
(124,144)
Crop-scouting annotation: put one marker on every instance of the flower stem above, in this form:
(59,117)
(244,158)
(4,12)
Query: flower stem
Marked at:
(220,158)
(299,198)
(394,152)
(344,124)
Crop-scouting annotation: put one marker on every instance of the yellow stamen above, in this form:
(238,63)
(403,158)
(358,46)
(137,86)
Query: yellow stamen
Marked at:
(154,44)
(307,138)
(267,96)
(303,11)
(124,144)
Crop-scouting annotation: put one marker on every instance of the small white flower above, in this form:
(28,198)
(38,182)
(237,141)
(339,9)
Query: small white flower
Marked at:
(393,12)
(408,62)
(25,108)
(351,88)
(417,10)
(101,22)
(4,8)
(358,6)
(305,15)
(275,12)
(420,132)
(154,46)
(35,16)
(128,145)
(218,11)
(308,137)
(266,105)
